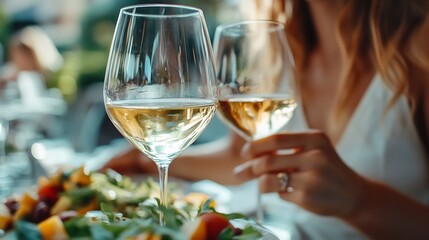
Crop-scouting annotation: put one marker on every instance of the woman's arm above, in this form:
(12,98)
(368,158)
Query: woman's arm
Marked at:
(215,161)
(384,213)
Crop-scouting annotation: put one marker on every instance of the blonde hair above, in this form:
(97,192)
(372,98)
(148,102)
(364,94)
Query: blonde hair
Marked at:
(373,34)
(40,48)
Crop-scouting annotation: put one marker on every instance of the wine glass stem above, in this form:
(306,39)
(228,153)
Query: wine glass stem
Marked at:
(163,179)
(259,204)
(259,208)
(3,136)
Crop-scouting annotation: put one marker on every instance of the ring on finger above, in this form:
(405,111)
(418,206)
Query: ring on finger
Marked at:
(284,181)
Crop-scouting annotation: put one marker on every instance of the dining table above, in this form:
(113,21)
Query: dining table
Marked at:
(229,199)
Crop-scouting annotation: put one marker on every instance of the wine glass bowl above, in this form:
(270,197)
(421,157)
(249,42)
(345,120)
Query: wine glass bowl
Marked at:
(255,78)
(255,73)
(160,89)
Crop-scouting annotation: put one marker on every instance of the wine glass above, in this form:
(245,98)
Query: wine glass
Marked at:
(256,86)
(159,88)
(4,170)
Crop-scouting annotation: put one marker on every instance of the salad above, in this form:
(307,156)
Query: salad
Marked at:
(79,205)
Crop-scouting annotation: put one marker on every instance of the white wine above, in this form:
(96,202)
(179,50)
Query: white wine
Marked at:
(256,117)
(161,128)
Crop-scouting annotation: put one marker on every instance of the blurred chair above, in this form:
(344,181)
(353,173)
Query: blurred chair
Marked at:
(89,125)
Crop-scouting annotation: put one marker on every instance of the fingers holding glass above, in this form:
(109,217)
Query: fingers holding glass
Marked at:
(290,141)
(314,179)
(274,163)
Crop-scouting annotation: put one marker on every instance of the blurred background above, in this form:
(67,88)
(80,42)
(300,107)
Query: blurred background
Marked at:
(52,62)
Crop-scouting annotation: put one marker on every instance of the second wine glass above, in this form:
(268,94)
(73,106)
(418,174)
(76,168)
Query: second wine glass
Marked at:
(256,85)
(159,88)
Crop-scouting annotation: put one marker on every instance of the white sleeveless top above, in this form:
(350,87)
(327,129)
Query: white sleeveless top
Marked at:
(387,149)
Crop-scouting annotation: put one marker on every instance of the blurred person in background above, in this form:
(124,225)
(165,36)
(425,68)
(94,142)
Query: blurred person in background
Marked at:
(32,52)
(32,109)
(360,134)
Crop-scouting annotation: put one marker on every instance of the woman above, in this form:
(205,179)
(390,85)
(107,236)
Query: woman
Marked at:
(31,50)
(364,80)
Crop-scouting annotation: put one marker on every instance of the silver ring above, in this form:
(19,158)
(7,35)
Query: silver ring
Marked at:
(284,181)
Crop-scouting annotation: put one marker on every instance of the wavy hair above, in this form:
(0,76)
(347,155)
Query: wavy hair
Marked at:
(372,33)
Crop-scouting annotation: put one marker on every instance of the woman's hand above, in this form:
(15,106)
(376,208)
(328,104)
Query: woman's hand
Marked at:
(320,180)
